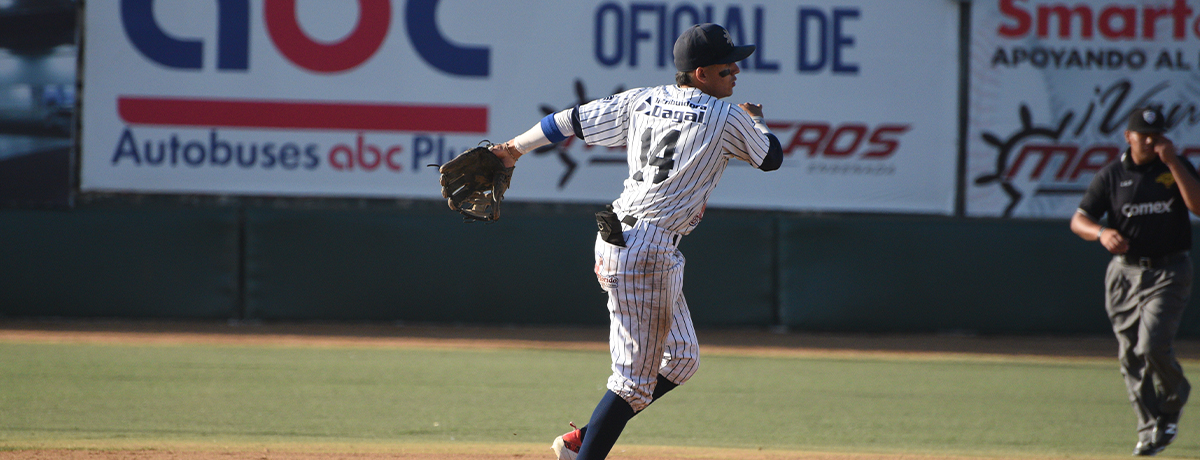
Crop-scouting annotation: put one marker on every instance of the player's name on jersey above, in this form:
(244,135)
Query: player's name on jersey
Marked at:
(678,115)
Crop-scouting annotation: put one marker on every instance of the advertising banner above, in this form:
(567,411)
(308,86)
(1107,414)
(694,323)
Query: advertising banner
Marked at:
(357,98)
(1052,84)
(37,102)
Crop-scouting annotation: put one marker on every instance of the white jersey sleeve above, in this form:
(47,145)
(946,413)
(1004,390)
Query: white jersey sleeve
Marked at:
(605,122)
(743,140)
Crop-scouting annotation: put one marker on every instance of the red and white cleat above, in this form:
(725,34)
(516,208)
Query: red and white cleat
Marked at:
(567,445)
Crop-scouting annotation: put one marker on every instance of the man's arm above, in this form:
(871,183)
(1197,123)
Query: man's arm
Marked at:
(1189,187)
(774,158)
(546,132)
(1089,230)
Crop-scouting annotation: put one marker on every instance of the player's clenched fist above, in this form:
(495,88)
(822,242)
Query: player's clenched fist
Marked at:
(754,110)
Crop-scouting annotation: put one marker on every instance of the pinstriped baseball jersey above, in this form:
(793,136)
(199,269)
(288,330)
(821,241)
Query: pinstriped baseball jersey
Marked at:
(679,141)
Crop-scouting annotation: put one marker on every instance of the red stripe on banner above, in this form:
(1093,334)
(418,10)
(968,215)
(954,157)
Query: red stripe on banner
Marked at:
(302,115)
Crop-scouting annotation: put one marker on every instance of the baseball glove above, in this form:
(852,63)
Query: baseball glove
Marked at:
(474,183)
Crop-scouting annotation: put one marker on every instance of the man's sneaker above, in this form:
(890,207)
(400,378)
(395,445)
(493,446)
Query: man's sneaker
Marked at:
(1146,449)
(566,447)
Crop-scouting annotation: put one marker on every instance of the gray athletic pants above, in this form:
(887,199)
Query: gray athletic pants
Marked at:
(1145,306)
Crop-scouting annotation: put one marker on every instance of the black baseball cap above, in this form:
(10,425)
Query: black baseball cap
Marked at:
(703,45)
(1147,120)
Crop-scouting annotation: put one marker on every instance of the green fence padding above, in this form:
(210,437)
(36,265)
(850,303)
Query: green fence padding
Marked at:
(844,273)
(925,274)
(729,277)
(534,266)
(422,265)
(133,262)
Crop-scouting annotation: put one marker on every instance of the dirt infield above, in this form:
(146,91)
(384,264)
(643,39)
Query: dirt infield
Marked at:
(721,342)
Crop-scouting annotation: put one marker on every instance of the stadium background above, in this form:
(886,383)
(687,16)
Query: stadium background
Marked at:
(961,265)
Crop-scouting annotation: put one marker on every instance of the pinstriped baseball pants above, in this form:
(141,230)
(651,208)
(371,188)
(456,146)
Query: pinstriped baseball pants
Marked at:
(650,327)
(1145,306)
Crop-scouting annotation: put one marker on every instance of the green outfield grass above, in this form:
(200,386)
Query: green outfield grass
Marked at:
(59,394)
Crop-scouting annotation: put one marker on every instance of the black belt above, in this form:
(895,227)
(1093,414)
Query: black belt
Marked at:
(1155,262)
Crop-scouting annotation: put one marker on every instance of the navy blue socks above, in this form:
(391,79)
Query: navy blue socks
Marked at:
(609,419)
(662,387)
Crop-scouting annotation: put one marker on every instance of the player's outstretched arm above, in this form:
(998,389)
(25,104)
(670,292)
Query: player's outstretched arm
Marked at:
(546,132)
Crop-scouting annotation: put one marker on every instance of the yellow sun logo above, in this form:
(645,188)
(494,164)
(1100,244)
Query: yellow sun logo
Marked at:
(1166,179)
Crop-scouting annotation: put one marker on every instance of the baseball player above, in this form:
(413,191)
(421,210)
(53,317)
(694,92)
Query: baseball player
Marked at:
(679,139)
(1147,196)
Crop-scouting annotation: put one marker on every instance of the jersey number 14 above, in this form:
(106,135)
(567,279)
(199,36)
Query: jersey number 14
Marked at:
(662,156)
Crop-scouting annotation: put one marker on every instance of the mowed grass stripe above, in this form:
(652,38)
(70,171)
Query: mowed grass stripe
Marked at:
(54,393)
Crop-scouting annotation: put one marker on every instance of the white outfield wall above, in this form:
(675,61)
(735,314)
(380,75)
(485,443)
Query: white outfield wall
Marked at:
(305,98)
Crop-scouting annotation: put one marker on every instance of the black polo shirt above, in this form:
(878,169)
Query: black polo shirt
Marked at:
(1144,204)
